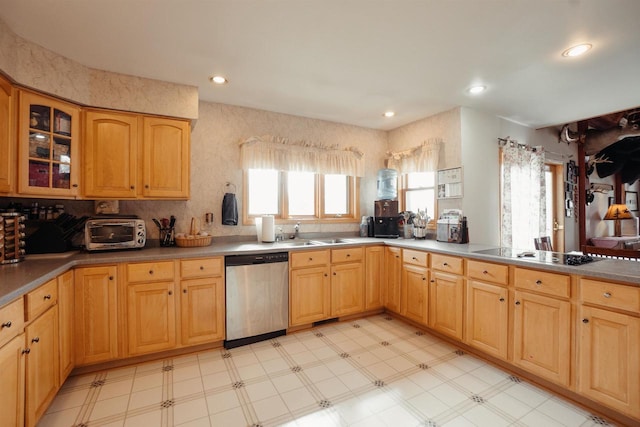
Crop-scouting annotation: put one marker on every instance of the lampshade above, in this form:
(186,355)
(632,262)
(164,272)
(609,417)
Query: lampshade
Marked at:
(618,212)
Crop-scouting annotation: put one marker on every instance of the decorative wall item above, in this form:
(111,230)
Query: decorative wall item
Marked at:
(570,187)
(631,200)
(450,183)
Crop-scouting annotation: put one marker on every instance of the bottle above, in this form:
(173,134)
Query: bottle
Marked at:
(387,184)
(364,227)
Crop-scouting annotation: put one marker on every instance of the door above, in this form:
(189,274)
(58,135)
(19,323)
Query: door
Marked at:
(310,295)
(374,277)
(554,181)
(202,310)
(347,289)
(65,329)
(446,302)
(487,317)
(415,291)
(151,317)
(12,358)
(7,142)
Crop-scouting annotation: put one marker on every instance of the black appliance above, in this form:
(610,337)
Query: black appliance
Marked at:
(385,221)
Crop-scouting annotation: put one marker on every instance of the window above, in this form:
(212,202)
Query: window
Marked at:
(300,196)
(418,189)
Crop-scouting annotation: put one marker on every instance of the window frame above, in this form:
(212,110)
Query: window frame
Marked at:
(353,205)
(404,188)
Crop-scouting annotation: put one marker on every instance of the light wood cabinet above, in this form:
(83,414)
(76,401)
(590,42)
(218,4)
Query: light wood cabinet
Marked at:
(202,303)
(151,307)
(11,320)
(129,156)
(487,309)
(42,372)
(7,136)
(374,277)
(415,293)
(347,281)
(393,279)
(66,300)
(12,377)
(48,140)
(446,302)
(96,314)
(310,295)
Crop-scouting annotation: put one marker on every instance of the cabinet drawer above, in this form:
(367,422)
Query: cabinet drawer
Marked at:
(610,295)
(11,320)
(150,271)
(414,257)
(204,267)
(309,259)
(485,271)
(543,282)
(347,255)
(39,300)
(450,264)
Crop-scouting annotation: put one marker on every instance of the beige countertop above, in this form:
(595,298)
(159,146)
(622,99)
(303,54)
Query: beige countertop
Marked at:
(19,278)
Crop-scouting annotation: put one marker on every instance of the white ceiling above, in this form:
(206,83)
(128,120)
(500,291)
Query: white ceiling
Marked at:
(349,61)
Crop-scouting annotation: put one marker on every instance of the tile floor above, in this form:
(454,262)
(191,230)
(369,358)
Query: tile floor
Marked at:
(376,371)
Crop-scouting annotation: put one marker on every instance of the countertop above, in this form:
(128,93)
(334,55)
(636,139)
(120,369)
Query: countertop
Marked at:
(19,278)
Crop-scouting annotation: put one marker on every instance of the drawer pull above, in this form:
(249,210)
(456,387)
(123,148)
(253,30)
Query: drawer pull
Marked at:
(424,278)
(326,275)
(538,282)
(36,339)
(585,320)
(414,258)
(517,302)
(26,351)
(348,255)
(150,271)
(184,291)
(607,295)
(170,292)
(47,296)
(110,277)
(432,281)
(201,267)
(501,299)
(310,259)
(334,273)
(6,324)
(445,264)
(485,272)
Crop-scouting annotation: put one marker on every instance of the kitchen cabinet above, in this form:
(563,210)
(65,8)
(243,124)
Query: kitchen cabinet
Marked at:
(393,279)
(128,156)
(48,140)
(415,286)
(202,303)
(347,281)
(542,325)
(42,368)
(446,295)
(96,314)
(65,324)
(151,307)
(309,287)
(486,311)
(7,138)
(609,345)
(374,277)
(12,376)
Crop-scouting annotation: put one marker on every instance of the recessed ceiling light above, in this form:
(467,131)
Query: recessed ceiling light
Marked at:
(219,80)
(477,89)
(389,113)
(577,50)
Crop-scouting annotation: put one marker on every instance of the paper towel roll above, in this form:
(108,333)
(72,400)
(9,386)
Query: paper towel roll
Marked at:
(268,229)
(259,229)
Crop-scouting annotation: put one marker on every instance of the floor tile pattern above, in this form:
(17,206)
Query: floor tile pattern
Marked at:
(376,371)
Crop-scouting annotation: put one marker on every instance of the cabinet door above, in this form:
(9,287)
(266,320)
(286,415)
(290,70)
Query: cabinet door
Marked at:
(42,371)
(151,317)
(110,155)
(96,321)
(202,310)
(48,146)
(487,315)
(12,358)
(65,324)
(542,336)
(446,303)
(393,279)
(609,352)
(347,289)
(7,142)
(310,295)
(415,293)
(166,158)
(374,278)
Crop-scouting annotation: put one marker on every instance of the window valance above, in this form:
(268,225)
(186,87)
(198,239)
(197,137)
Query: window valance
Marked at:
(423,158)
(270,152)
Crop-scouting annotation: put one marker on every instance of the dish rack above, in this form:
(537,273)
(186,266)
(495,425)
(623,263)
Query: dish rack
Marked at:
(193,239)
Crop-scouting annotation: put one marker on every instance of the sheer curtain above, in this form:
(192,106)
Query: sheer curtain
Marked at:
(523,196)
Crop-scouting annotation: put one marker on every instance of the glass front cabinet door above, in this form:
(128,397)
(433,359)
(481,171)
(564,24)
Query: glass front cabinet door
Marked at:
(49,135)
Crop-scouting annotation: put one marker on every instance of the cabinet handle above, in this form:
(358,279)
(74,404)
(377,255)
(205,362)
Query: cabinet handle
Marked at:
(310,259)
(414,258)
(538,282)
(348,255)
(445,264)
(397,256)
(133,187)
(424,278)
(6,324)
(201,267)
(433,281)
(170,292)
(47,296)
(35,339)
(146,186)
(325,275)
(607,295)
(334,273)
(517,302)
(26,351)
(150,271)
(184,291)
(485,272)
(501,299)
(110,277)
(75,185)
(585,320)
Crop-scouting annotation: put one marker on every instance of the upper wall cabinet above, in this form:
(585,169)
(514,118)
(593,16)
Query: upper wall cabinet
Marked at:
(7,142)
(48,147)
(128,156)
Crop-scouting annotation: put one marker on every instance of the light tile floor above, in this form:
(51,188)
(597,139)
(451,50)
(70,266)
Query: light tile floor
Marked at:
(376,371)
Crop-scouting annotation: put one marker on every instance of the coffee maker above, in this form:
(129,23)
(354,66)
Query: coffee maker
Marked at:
(385,221)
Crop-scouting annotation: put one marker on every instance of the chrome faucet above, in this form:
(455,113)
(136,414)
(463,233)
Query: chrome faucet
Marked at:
(296,229)
(279,236)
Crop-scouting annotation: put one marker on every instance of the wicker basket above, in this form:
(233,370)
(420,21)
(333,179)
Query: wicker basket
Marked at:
(193,242)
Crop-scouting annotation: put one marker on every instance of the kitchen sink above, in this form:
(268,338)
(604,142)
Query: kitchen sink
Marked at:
(299,243)
(331,241)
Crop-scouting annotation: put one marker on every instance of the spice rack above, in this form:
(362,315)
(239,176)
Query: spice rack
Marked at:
(12,237)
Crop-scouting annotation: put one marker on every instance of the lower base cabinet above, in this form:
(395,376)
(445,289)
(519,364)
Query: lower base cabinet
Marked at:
(487,317)
(12,363)
(151,317)
(202,310)
(415,293)
(310,295)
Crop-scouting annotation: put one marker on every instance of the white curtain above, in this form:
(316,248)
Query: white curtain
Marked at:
(523,196)
(269,152)
(423,158)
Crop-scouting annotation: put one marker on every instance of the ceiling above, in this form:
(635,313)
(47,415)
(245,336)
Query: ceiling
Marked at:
(349,61)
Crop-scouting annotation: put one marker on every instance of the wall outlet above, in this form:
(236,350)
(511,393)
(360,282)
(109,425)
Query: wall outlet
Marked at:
(107,206)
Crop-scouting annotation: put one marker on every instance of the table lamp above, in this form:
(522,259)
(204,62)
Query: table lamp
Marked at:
(618,212)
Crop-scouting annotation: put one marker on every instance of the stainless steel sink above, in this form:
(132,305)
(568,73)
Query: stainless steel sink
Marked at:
(331,241)
(298,243)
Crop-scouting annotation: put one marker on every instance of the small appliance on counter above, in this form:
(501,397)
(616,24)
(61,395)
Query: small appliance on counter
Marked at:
(113,232)
(385,222)
(12,237)
(452,227)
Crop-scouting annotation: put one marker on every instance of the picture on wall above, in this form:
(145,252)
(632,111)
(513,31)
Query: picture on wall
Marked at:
(631,200)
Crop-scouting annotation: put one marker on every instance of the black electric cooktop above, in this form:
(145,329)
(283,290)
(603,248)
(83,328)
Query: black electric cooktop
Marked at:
(544,257)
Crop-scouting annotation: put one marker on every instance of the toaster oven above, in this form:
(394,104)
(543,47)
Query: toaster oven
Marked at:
(114,233)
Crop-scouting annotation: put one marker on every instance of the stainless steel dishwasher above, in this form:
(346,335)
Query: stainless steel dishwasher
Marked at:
(257,296)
